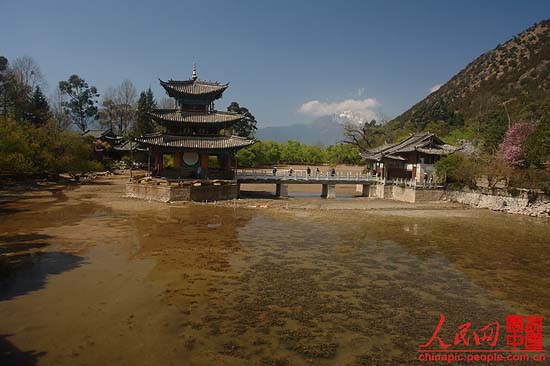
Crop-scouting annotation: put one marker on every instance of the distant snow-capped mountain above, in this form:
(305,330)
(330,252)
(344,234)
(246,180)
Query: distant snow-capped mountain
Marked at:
(326,131)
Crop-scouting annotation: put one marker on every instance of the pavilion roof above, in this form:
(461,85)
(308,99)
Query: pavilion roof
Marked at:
(178,116)
(425,142)
(195,142)
(102,133)
(193,88)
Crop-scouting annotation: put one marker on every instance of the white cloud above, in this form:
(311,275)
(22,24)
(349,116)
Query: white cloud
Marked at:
(357,110)
(435,88)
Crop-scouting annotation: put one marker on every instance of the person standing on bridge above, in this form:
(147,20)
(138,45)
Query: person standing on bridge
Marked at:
(274,171)
(290,171)
(332,172)
(308,171)
(317,172)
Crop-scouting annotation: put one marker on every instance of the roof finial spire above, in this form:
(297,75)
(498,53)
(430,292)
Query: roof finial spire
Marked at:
(194,76)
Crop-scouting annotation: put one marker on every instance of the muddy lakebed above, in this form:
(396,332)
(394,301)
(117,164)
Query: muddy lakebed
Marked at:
(88,277)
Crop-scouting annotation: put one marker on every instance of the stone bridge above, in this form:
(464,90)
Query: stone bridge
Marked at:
(282,178)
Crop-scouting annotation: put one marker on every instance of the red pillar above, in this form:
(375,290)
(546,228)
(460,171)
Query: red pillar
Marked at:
(178,158)
(159,163)
(204,164)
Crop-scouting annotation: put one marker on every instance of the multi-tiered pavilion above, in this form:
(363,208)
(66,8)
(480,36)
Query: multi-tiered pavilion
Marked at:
(197,141)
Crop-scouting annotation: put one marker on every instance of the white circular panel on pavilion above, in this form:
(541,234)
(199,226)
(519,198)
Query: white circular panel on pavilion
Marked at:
(190,158)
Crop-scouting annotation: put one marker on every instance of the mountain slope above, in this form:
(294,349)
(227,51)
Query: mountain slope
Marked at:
(512,79)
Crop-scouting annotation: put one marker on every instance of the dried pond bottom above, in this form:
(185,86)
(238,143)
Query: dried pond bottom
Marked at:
(117,281)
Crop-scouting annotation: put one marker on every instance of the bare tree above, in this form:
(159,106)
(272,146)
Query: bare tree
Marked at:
(109,112)
(59,113)
(167,103)
(126,95)
(118,108)
(27,72)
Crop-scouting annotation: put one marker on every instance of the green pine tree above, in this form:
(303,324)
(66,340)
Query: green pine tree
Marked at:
(246,127)
(144,124)
(38,110)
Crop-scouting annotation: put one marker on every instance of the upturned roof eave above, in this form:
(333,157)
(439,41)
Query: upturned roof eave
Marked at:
(215,88)
(194,118)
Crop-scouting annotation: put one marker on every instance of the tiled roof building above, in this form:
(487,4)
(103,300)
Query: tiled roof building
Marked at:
(194,132)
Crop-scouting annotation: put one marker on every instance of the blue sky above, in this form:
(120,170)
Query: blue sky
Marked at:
(287,61)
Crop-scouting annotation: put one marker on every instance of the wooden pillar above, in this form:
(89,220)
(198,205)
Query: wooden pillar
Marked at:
(204,161)
(178,158)
(158,165)
(161,163)
(204,165)
(227,164)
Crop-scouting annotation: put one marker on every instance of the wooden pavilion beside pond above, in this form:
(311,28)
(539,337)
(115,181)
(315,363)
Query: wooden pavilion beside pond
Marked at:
(193,158)
(195,134)
(411,159)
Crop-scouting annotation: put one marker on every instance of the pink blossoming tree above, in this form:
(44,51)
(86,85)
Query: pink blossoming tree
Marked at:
(511,148)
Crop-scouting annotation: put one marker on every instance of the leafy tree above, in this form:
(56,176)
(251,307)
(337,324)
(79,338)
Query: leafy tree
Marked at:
(496,170)
(71,155)
(537,145)
(364,136)
(82,103)
(143,123)
(267,153)
(38,110)
(245,127)
(458,168)
(344,154)
(15,152)
(246,158)
(458,135)
(493,129)
(28,148)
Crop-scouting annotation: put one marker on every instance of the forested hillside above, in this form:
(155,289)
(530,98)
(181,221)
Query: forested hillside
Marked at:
(507,84)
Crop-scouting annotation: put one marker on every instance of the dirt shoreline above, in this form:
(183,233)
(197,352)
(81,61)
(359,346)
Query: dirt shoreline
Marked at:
(110,192)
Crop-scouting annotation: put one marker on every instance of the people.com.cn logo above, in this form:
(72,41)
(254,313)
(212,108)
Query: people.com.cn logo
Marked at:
(523,338)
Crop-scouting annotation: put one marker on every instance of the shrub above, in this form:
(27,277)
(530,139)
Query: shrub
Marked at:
(25,148)
(458,168)
(545,187)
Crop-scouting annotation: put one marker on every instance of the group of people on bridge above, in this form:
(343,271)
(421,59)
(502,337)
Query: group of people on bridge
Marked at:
(308,172)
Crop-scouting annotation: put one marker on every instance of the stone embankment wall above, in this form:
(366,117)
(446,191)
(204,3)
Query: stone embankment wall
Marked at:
(174,193)
(405,194)
(524,204)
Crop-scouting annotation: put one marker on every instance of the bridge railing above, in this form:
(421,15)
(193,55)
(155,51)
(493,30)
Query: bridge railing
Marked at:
(286,174)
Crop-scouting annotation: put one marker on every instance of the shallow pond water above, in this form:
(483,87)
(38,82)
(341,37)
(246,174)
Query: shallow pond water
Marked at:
(86,282)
